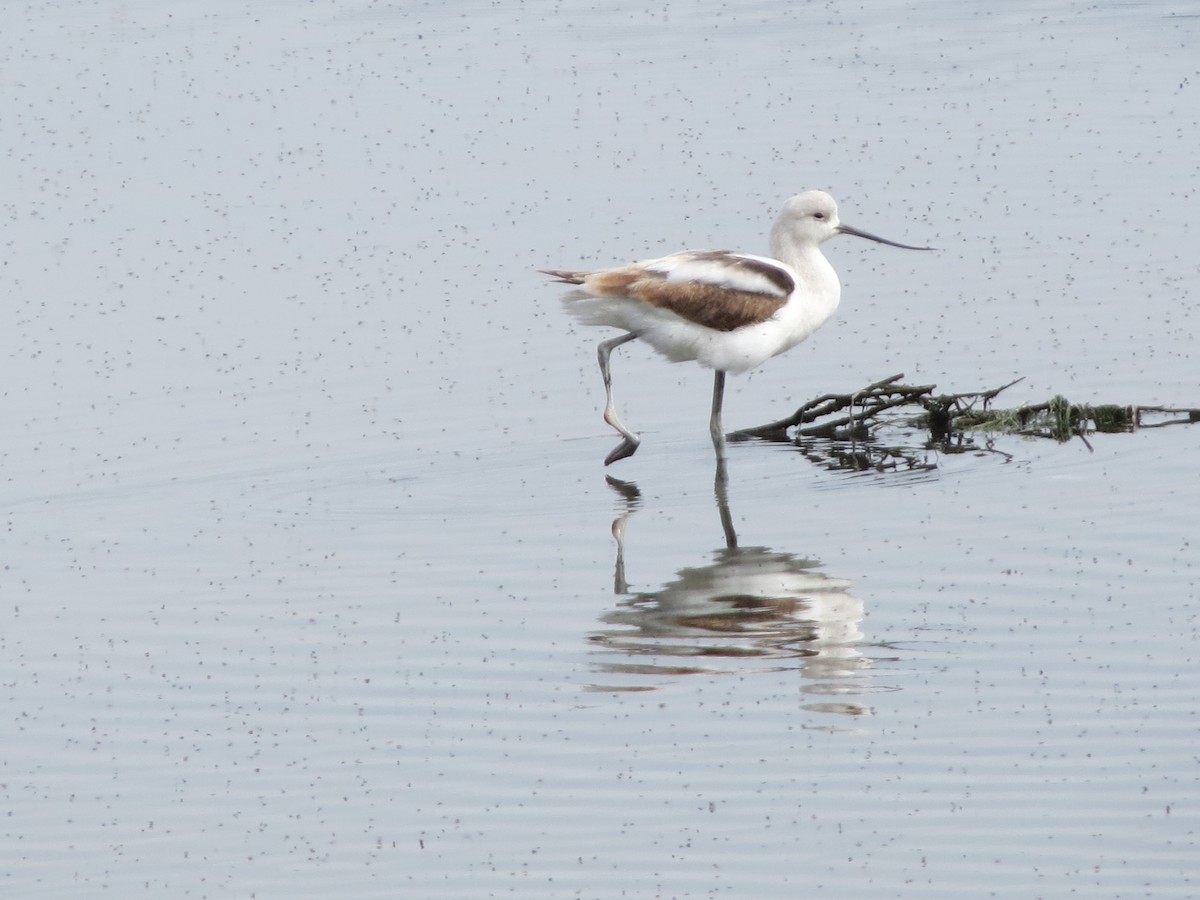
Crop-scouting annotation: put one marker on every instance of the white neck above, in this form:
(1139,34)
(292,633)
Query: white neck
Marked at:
(818,289)
(806,260)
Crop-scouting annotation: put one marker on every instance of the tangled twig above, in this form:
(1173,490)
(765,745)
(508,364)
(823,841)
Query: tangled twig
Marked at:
(856,415)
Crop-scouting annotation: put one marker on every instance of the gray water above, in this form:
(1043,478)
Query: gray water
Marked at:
(309,579)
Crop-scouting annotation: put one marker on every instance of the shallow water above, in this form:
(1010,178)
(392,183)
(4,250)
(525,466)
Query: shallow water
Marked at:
(310,579)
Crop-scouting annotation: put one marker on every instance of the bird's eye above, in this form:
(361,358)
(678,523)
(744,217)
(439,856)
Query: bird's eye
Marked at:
(818,215)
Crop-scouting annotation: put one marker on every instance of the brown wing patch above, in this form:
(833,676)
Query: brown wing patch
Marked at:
(710,305)
(707,304)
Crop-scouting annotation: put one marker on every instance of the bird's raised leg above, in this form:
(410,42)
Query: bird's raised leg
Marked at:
(714,423)
(628,446)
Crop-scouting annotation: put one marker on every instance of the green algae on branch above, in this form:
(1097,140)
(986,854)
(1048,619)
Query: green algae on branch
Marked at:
(858,414)
(1057,418)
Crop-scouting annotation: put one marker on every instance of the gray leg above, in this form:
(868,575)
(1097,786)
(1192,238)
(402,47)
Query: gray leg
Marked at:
(714,423)
(628,446)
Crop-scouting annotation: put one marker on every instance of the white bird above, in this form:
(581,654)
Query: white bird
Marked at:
(728,311)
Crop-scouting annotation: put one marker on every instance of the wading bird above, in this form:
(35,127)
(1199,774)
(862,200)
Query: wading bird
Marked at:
(728,311)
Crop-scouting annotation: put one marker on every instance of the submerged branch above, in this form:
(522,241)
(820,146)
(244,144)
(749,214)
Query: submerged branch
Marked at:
(856,415)
(872,400)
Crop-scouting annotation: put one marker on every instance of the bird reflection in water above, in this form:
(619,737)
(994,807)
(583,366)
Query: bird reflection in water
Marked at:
(750,609)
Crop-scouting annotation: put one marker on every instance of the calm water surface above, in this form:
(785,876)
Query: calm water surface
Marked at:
(312,581)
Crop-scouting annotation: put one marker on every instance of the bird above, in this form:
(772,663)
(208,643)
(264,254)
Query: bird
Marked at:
(730,312)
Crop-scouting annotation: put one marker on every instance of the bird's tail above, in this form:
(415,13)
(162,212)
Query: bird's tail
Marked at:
(564,277)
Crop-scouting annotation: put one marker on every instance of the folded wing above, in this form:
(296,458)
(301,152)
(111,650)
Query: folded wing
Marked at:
(714,288)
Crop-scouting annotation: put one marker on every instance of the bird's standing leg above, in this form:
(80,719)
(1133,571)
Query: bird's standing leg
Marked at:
(714,423)
(628,446)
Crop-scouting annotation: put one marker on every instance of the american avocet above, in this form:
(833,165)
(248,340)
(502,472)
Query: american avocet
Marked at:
(728,311)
